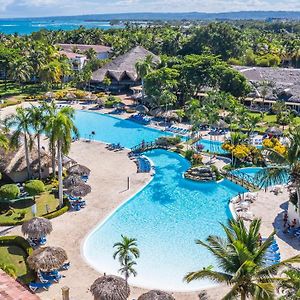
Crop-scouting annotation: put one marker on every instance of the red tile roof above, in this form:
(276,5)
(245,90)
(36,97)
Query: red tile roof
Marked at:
(10,289)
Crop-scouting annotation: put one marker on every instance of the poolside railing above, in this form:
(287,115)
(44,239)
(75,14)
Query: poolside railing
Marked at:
(242,179)
(146,146)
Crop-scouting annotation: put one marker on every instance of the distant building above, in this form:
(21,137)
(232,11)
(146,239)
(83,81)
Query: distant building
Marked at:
(102,52)
(283,85)
(77,61)
(122,71)
(13,164)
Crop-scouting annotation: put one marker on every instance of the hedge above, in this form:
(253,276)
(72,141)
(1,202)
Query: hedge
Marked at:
(9,191)
(17,241)
(34,187)
(56,213)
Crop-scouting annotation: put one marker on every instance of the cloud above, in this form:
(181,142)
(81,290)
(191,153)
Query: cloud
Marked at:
(26,8)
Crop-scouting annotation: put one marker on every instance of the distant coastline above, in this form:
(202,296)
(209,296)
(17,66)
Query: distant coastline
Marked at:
(105,21)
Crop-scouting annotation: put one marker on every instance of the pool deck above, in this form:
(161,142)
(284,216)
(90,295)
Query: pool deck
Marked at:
(109,172)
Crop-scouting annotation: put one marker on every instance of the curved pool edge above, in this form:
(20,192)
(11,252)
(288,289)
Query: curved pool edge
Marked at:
(100,223)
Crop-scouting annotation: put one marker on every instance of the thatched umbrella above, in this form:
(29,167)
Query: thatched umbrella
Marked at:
(221,125)
(110,287)
(142,109)
(72,180)
(171,115)
(156,295)
(80,190)
(36,227)
(47,259)
(274,131)
(79,170)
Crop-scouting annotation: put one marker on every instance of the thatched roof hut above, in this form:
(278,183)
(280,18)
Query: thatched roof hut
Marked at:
(13,163)
(79,170)
(123,67)
(47,259)
(110,287)
(156,295)
(220,124)
(37,227)
(80,190)
(170,115)
(72,180)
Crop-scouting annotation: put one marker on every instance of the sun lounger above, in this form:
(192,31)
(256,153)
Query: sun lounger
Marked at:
(39,285)
(65,266)
(47,278)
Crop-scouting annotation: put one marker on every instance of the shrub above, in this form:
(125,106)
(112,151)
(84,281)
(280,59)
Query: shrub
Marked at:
(9,269)
(189,154)
(34,187)
(217,172)
(9,191)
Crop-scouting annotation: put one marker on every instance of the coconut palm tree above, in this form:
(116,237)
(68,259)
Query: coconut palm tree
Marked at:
(127,268)
(143,68)
(284,165)
(126,251)
(20,71)
(38,123)
(62,127)
(4,141)
(50,111)
(20,123)
(127,248)
(240,259)
(290,285)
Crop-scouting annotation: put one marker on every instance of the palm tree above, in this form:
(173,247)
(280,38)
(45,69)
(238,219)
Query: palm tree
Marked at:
(127,268)
(20,123)
(4,141)
(290,285)
(284,165)
(143,68)
(20,71)
(38,123)
(251,123)
(62,127)
(50,111)
(126,251)
(240,257)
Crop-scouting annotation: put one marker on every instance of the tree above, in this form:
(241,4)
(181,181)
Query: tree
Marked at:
(34,187)
(265,88)
(4,141)
(240,257)
(289,286)
(20,122)
(38,123)
(143,68)
(285,165)
(106,82)
(20,71)
(126,252)
(9,191)
(251,123)
(61,127)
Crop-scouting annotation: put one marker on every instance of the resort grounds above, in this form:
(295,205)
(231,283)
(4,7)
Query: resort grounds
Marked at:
(109,173)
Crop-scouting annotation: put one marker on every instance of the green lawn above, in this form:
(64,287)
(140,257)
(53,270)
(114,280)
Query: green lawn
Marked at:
(45,199)
(16,256)
(270,119)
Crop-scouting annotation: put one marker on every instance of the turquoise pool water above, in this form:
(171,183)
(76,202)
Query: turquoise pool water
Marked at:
(166,218)
(250,175)
(109,129)
(212,146)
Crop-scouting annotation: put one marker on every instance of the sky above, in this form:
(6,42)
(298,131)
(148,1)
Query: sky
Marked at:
(38,8)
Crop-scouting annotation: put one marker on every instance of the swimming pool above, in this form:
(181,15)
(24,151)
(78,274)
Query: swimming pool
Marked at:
(212,146)
(249,174)
(165,217)
(110,129)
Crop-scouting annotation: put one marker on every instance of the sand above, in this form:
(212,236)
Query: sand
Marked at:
(109,173)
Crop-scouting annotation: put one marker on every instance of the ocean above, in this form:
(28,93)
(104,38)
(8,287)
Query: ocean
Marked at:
(27,26)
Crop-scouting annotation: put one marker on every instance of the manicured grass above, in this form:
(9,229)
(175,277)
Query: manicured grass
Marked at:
(43,201)
(16,256)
